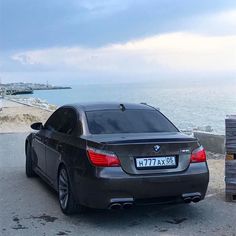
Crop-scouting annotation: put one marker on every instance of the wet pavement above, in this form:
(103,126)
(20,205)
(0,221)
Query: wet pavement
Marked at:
(30,207)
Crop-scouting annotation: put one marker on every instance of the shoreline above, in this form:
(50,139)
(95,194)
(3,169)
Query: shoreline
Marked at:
(191,116)
(41,104)
(32,102)
(45,105)
(19,113)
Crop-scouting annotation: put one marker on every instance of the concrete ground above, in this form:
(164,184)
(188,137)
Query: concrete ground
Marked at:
(30,207)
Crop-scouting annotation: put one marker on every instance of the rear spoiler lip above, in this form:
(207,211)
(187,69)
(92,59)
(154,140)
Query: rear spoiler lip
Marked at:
(153,141)
(118,139)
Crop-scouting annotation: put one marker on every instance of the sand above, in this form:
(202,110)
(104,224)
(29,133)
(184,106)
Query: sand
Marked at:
(15,117)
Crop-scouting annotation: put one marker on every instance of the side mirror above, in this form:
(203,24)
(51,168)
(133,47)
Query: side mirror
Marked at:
(37,126)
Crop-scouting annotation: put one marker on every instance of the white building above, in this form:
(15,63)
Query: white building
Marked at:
(2,91)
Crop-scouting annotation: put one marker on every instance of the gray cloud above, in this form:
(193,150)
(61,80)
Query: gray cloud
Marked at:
(28,24)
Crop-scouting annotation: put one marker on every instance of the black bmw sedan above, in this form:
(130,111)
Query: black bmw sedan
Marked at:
(111,155)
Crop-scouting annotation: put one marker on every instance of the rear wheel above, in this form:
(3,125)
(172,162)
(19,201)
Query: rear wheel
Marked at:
(29,163)
(66,200)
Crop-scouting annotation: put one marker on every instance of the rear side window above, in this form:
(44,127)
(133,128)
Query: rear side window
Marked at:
(128,121)
(54,120)
(63,120)
(68,121)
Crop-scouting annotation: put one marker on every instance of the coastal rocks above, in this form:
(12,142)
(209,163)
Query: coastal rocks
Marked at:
(206,128)
(191,130)
(34,102)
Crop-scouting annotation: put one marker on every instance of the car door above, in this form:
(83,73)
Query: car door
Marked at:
(39,149)
(40,141)
(48,131)
(57,141)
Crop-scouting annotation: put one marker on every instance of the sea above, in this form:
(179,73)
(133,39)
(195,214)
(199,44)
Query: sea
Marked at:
(190,107)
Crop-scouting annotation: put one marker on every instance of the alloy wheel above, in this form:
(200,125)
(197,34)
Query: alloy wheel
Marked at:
(63,188)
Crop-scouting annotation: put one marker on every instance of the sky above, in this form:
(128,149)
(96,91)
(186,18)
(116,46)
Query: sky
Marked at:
(101,41)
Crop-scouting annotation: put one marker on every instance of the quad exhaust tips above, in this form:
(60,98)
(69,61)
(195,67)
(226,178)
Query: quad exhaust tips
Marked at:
(191,197)
(127,203)
(121,203)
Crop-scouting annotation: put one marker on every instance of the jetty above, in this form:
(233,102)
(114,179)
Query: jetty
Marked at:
(27,88)
(18,91)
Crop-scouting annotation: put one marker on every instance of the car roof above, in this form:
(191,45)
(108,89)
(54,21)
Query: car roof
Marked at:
(110,106)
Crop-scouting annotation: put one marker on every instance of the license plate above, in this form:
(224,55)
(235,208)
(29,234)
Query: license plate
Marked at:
(156,162)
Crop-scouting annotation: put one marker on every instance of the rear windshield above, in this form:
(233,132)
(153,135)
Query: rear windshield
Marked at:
(128,121)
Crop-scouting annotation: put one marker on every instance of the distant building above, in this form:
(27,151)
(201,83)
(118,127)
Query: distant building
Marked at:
(2,91)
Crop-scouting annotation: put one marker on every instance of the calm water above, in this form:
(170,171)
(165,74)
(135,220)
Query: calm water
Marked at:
(188,107)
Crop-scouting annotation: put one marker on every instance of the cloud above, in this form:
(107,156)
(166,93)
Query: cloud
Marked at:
(31,24)
(176,52)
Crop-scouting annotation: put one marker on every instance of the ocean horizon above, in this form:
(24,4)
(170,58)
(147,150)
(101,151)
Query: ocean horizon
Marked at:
(188,107)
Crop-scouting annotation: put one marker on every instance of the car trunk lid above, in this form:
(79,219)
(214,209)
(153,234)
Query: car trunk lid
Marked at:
(130,147)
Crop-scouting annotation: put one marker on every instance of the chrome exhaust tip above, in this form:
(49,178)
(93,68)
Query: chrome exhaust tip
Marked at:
(115,206)
(187,199)
(127,205)
(196,199)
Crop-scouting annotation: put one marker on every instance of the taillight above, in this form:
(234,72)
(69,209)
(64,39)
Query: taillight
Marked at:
(102,158)
(198,155)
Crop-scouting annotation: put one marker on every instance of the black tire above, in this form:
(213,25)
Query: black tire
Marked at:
(29,163)
(66,199)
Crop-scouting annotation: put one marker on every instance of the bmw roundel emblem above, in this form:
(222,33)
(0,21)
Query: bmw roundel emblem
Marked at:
(156,148)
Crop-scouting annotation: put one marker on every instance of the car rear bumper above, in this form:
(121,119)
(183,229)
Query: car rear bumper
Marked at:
(112,184)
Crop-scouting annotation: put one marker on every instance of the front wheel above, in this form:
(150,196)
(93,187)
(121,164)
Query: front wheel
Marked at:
(66,200)
(29,163)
